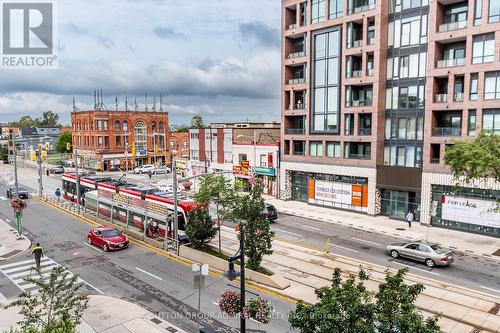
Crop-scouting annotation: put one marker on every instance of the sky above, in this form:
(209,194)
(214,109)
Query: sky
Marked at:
(216,58)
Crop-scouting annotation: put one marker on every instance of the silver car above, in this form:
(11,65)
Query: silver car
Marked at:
(431,254)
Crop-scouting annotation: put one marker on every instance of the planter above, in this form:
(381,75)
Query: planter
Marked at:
(274,281)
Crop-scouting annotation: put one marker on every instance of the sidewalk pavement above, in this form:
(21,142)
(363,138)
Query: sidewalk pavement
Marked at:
(456,240)
(106,315)
(11,243)
(461,309)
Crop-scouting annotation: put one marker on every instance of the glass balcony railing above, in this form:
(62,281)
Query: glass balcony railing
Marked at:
(354,74)
(297,81)
(365,131)
(441,98)
(452,26)
(295,131)
(370,71)
(296,54)
(446,63)
(300,106)
(355,43)
(358,156)
(458,97)
(292,26)
(446,131)
(366,102)
(360,9)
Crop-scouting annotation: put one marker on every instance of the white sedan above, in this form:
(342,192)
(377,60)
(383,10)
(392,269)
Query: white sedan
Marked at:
(144,168)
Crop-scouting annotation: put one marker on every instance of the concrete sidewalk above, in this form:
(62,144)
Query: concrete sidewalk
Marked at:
(456,240)
(106,315)
(461,309)
(11,243)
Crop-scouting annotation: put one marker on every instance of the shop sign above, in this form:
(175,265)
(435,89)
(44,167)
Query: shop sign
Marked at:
(468,210)
(181,164)
(333,192)
(141,151)
(265,171)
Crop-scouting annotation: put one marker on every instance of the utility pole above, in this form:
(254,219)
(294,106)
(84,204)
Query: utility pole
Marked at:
(77,178)
(15,163)
(176,217)
(126,157)
(40,173)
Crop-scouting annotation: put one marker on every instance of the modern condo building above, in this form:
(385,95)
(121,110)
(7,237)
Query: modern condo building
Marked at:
(373,91)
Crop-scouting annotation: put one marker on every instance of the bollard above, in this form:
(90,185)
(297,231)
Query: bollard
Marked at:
(328,245)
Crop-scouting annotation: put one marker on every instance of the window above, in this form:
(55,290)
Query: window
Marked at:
(336,8)
(483,49)
(242,157)
(195,136)
(125,125)
(263,160)
(407,31)
(326,81)
(317,11)
(492,85)
(194,155)
(99,125)
(491,120)
(140,135)
(160,126)
(106,141)
(494,11)
(105,125)
(117,125)
(407,66)
(118,140)
(316,148)
(349,124)
(478,11)
(403,155)
(471,124)
(333,149)
(473,87)
(99,141)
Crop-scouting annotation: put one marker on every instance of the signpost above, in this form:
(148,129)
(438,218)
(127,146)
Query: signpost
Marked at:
(199,283)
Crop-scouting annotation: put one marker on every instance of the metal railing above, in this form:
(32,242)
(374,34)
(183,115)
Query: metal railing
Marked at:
(355,43)
(300,106)
(365,131)
(292,26)
(296,54)
(371,40)
(452,26)
(358,156)
(458,97)
(297,81)
(440,98)
(295,130)
(351,74)
(446,63)
(370,71)
(366,102)
(446,131)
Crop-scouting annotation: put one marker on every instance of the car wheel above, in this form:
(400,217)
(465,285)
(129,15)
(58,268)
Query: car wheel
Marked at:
(430,263)
(105,247)
(140,172)
(89,240)
(394,254)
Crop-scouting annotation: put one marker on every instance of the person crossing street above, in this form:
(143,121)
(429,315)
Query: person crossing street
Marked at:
(38,252)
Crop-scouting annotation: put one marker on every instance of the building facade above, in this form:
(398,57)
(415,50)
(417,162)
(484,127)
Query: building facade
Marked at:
(374,91)
(179,142)
(105,138)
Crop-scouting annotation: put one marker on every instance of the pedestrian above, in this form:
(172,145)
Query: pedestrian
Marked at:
(149,174)
(58,194)
(409,217)
(38,252)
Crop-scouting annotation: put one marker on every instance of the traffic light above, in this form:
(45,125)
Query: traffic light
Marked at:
(133,149)
(47,146)
(156,149)
(43,154)
(32,155)
(68,146)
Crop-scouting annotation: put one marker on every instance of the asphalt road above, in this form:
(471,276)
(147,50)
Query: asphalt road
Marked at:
(136,274)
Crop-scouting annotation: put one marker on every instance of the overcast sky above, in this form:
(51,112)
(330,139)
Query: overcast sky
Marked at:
(216,58)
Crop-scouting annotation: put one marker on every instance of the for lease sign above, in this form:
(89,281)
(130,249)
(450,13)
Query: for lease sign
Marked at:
(469,210)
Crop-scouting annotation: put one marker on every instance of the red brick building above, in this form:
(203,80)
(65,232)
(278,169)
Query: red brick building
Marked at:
(179,141)
(106,138)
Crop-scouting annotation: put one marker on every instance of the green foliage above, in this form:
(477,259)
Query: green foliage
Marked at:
(200,228)
(57,308)
(217,190)
(476,159)
(258,235)
(49,119)
(25,121)
(4,153)
(348,307)
(64,138)
(197,122)
(183,129)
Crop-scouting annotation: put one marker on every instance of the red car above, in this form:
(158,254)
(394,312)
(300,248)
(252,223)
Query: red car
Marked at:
(107,238)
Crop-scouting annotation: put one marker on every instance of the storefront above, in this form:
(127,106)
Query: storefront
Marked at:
(335,191)
(267,176)
(469,209)
(396,204)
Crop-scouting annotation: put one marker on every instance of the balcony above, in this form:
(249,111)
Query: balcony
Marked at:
(370,71)
(365,131)
(352,74)
(361,8)
(447,63)
(296,55)
(358,156)
(458,97)
(355,43)
(440,98)
(295,131)
(452,26)
(446,131)
(292,26)
(356,103)
(297,81)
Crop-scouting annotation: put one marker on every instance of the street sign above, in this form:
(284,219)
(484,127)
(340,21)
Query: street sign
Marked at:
(199,281)
(203,268)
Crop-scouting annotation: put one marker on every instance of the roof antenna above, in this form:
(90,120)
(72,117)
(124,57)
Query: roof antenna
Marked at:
(154,103)
(95,99)
(126,103)
(116,103)
(135,104)
(161,103)
(74,105)
(146,98)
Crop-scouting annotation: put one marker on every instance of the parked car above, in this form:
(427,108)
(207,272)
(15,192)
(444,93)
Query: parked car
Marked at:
(56,169)
(165,188)
(144,168)
(161,170)
(270,212)
(69,163)
(431,254)
(23,193)
(107,238)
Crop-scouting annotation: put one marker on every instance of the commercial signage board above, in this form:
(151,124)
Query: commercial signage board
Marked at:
(470,210)
(265,171)
(333,191)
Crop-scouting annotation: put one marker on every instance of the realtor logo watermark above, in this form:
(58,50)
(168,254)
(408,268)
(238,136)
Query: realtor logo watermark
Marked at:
(28,35)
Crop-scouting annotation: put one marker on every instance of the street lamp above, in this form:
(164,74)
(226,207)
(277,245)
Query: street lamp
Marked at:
(231,274)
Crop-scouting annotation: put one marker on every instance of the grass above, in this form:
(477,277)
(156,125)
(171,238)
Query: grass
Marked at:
(214,252)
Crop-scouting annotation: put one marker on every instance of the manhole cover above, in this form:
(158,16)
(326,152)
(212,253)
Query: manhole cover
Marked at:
(156,320)
(401,229)
(496,253)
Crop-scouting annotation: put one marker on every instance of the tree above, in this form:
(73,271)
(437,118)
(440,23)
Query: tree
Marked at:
(258,235)
(348,307)
(197,122)
(50,119)
(200,228)
(64,139)
(25,121)
(476,159)
(57,308)
(217,190)
(4,153)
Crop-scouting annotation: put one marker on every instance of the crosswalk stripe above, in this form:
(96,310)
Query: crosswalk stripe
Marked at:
(18,271)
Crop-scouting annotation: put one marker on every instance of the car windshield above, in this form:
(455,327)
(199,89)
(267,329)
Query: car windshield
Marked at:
(20,189)
(110,233)
(271,208)
(438,249)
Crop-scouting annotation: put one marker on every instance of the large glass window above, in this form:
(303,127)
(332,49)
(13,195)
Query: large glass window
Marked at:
(492,85)
(326,81)
(403,155)
(483,49)
(408,31)
(473,87)
(333,149)
(407,66)
(317,11)
(491,120)
(478,11)
(140,135)
(405,97)
(471,125)
(336,8)
(316,148)
(494,11)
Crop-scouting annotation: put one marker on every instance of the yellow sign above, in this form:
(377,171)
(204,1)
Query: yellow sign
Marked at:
(47,146)
(43,155)
(133,149)
(68,146)
(33,155)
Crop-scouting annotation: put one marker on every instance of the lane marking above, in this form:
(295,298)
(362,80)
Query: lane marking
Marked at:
(152,275)
(344,248)
(215,303)
(93,247)
(420,269)
(364,241)
(312,228)
(288,232)
(490,289)
(91,286)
